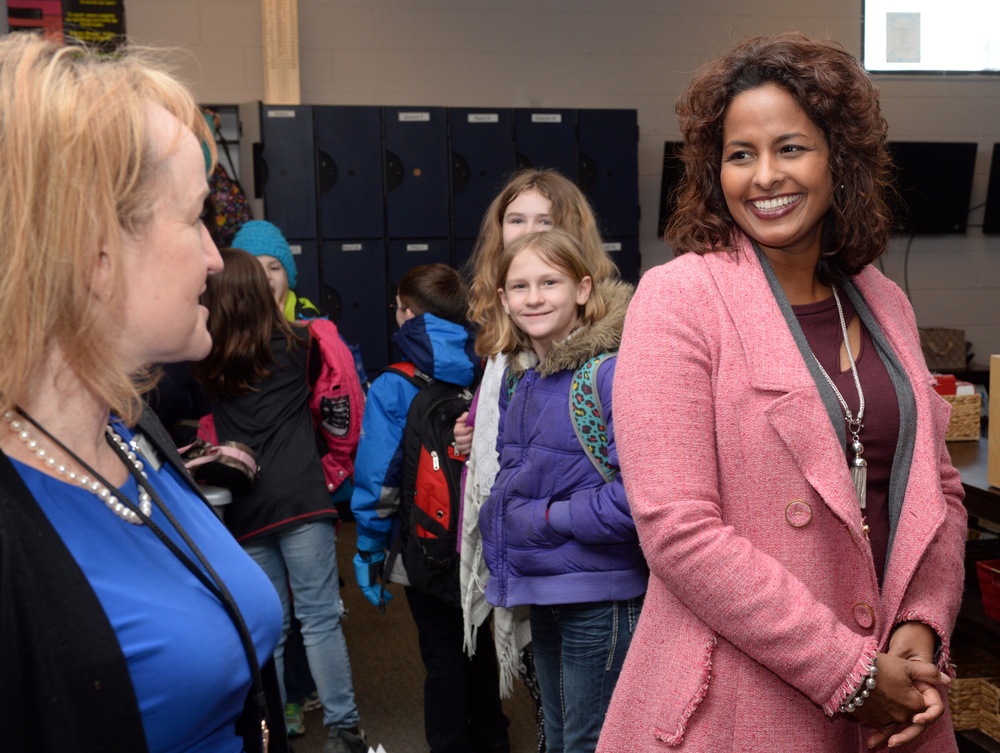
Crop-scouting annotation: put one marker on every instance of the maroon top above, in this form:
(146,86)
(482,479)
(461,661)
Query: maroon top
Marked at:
(880,432)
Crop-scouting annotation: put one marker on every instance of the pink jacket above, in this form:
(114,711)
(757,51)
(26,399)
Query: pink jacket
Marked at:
(336,401)
(763,601)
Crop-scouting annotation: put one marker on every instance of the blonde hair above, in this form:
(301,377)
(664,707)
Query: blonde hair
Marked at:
(558,249)
(78,170)
(570,211)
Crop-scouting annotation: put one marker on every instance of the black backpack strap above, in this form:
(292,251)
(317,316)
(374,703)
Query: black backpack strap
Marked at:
(419,379)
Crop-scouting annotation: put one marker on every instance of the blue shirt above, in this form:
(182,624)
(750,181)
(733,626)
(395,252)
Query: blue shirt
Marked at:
(188,667)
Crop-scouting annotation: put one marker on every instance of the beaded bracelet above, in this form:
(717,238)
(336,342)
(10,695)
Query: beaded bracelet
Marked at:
(857,699)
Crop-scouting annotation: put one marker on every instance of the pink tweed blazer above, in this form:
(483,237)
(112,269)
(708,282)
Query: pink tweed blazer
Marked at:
(763,601)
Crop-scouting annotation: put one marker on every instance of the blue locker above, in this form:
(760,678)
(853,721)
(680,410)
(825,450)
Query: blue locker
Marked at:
(285,169)
(354,295)
(625,252)
(306,255)
(463,252)
(482,158)
(547,138)
(609,168)
(416,172)
(405,255)
(350,173)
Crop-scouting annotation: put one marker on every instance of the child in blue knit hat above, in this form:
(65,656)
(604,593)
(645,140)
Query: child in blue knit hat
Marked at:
(265,240)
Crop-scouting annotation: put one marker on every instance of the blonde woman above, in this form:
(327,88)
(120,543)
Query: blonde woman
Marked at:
(129,618)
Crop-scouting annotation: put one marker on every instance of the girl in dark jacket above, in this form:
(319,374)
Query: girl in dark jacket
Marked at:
(256,377)
(556,535)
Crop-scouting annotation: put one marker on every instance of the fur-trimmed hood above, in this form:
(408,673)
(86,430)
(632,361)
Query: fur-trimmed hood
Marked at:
(601,337)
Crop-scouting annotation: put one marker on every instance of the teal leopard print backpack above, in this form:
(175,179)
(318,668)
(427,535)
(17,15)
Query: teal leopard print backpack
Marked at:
(585,413)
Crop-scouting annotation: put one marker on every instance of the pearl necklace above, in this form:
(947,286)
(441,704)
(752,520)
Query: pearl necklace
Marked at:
(88,479)
(857,464)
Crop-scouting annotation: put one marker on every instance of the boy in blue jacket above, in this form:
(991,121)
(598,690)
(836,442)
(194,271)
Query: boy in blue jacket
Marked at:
(462,711)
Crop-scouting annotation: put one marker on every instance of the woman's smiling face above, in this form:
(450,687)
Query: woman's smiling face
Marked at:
(775,173)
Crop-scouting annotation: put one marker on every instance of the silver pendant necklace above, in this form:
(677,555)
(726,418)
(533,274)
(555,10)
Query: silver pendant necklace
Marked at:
(857,464)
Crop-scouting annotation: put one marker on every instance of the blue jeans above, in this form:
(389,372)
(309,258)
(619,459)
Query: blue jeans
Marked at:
(579,652)
(305,558)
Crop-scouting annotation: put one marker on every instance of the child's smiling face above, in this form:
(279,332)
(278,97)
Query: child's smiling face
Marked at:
(542,300)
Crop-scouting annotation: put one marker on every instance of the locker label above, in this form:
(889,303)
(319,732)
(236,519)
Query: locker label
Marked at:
(281,113)
(414,117)
(484,117)
(295,248)
(546,117)
(352,247)
(612,247)
(418,247)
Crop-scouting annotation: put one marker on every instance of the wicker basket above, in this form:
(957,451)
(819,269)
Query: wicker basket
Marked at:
(989,710)
(965,702)
(973,695)
(965,410)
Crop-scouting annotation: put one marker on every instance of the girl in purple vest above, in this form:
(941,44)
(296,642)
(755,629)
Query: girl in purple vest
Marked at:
(557,536)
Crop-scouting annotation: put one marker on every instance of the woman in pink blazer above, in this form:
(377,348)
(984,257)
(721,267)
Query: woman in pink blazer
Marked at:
(781,443)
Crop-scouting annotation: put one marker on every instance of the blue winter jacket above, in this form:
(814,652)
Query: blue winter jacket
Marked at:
(553,531)
(439,348)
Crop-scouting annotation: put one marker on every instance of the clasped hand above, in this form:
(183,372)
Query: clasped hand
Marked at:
(905,700)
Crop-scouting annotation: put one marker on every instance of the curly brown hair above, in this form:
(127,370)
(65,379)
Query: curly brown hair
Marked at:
(838,96)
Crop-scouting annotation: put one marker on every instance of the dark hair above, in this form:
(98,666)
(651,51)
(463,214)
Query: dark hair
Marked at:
(838,96)
(242,316)
(435,289)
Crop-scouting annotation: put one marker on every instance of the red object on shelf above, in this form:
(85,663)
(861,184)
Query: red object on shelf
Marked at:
(988,572)
(945,384)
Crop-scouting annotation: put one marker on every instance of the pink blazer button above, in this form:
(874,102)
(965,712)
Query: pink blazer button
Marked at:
(798,513)
(864,615)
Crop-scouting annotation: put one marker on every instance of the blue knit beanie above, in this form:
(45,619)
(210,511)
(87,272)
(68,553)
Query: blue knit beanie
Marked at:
(262,238)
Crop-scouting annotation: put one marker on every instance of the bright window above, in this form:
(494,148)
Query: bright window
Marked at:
(954,36)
